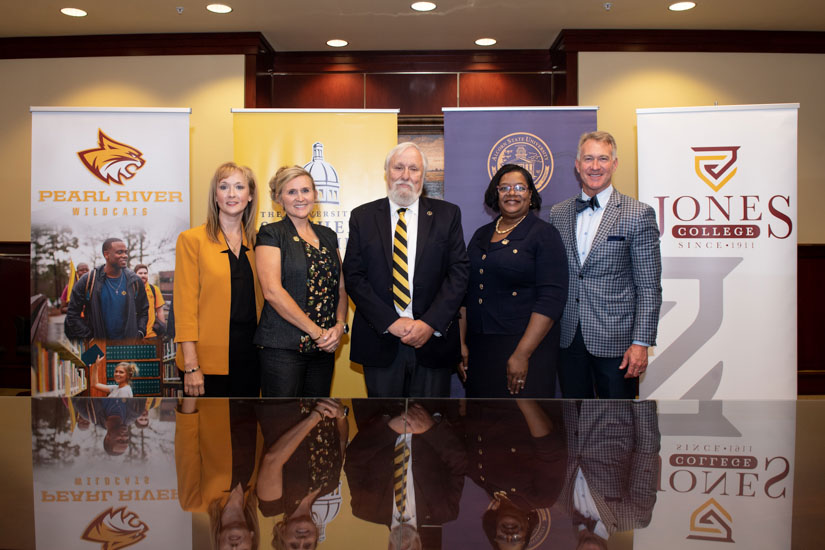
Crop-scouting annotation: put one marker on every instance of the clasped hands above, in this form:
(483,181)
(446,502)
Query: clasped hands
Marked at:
(413,332)
(330,338)
(416,421)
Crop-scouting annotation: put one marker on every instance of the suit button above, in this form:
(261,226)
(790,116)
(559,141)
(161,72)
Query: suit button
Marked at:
(481,270)
(484,256)
(479,438)
(515,251)
(512,449)
(515,293)
(480,300)
(481,286)
(512,489)
(577,300)
(480,452)
(581,276)
(481,478)
(480,466)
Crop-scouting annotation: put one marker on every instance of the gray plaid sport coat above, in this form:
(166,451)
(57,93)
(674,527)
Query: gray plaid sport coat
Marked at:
(616,444)
(616,295)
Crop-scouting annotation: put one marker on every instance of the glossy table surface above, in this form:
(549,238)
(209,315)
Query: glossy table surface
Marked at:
(507,474)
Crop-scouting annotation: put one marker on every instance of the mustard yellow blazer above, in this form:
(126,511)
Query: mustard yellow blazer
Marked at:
(203,298)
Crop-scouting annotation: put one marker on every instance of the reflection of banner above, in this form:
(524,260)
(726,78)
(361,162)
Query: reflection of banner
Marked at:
(723,183)
(107,481)
(726,477)
(477,142)
(343,150)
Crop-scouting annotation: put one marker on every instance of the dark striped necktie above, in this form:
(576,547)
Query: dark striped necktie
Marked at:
(400,277)
(399,475)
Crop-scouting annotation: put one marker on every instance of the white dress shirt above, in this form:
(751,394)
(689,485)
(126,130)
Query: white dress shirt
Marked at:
(587,223)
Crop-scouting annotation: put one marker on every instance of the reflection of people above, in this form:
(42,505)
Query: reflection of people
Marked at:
(516,294)
(406,271)
(110,301)
(612,309)
(123,381)
(518,457)
(82,269)
(215,458)
(613,464)
(404,468)
(217,299)
(157,316)
(305,442)
(116,416)
(305,313)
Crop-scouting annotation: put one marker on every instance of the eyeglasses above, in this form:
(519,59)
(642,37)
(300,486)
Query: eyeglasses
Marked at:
(509,538)
(517,188)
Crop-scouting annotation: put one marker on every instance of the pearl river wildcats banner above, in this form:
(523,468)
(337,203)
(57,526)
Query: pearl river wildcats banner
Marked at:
(106,172)
(103,474)
(344,150)
(723,183)
(542,140)
(726,477)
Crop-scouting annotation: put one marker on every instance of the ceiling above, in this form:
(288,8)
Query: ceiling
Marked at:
(306,25)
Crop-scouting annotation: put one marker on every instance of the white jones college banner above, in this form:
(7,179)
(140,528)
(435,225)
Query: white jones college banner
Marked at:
(726,476)
(723,182)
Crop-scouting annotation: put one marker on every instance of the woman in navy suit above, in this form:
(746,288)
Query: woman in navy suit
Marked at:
(516,295)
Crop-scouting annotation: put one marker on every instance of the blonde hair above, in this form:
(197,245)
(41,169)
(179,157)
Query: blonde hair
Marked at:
(131,370)
(278,542)
(213,227)
(284,175)
(250,514)
(603,137)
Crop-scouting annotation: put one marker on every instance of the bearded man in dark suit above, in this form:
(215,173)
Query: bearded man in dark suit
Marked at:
(406,271)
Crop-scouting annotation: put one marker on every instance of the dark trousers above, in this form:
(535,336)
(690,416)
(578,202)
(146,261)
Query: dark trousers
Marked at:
(581,372)
(288,373)
(405,378)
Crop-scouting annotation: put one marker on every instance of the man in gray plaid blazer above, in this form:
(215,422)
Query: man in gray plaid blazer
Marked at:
(615,293)
(612,464)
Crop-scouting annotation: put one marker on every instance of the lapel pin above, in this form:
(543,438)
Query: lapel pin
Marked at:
(296,239)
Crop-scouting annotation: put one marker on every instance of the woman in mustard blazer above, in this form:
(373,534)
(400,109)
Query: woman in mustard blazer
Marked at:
(217,299)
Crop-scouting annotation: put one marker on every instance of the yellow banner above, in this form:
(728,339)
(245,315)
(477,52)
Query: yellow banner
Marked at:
(344,152)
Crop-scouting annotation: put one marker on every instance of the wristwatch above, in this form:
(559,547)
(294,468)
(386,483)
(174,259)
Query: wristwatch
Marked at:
(346,326)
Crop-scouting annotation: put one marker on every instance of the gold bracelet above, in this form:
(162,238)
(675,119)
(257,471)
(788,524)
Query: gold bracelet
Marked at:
(196,369)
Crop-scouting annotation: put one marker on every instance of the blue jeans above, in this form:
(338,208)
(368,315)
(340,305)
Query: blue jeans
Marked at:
(288,373)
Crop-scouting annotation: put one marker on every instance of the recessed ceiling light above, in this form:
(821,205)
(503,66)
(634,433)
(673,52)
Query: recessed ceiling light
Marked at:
(219,8)
(423,6)
(337,43)
(682,6)
(73,12)
(485,41)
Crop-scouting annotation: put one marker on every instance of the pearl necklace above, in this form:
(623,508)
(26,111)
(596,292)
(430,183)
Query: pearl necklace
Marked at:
(505,231)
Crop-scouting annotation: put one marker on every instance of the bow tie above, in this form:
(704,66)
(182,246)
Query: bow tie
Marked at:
(582,204)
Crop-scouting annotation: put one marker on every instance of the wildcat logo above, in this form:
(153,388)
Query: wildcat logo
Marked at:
(112,161)
(707,165)
(711,522)
(115,528)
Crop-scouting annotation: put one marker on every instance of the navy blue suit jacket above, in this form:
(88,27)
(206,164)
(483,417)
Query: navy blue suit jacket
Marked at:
(439,282)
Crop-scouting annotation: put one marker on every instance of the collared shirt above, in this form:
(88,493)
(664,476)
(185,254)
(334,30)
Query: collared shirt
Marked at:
(411,218)
(587,223)
(584,503)
(409,511)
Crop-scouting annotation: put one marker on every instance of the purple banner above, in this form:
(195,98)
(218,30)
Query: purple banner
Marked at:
(478,142)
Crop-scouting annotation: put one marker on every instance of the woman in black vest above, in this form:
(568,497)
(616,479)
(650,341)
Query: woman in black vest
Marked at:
(305,314)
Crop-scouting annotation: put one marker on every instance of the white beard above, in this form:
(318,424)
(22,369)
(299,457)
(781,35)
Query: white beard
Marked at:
(403,196)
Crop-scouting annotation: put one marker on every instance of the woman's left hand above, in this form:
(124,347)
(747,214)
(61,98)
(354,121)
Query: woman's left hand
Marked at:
(516,373)
(331,338)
